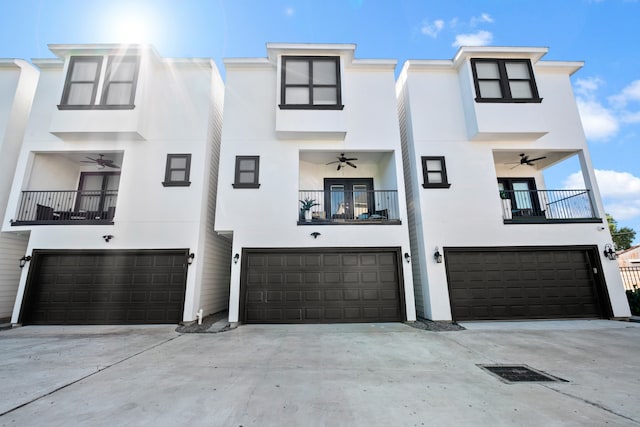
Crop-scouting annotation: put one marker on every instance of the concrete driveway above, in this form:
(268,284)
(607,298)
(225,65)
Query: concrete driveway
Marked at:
(363,374)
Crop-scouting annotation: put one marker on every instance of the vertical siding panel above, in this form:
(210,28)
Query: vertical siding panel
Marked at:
(12,248)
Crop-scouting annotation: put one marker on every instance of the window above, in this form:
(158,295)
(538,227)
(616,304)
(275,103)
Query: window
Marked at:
(120,83)
(82,80)
(311,82)
(504,80)
(247,168)
(86,75)
(177,171)
(435,172)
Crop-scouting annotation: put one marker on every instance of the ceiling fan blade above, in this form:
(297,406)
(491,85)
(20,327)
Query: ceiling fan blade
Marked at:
(330,163)
(537,158)
(516,165)
(352,158)
(111,165)
(351,164)
(339,166)
(93,160)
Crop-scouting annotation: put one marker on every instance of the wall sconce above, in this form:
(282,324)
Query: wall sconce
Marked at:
(315,234)
(609,252)
(107,237)
(236,258)
(437,256)
(24,260)
(190,258)
(407,257)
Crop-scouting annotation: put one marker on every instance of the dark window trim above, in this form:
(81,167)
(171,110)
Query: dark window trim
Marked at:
(426,183)
(310,106)
(256,171)
(68,82)
(108,81)
(167,173)
(504,81)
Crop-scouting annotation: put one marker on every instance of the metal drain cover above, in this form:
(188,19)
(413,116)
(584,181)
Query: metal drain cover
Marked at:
(519,373)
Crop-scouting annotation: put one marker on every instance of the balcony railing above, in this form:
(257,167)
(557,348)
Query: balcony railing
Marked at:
(66,207)
(535,206)
(630,277)
(349,207)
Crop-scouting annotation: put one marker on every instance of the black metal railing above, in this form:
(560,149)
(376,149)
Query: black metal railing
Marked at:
(547,206)
(63,207)
(351,206)
(630,277)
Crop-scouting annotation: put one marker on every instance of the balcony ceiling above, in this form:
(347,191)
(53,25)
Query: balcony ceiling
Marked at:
(513,157)
(324,157)
(80,156)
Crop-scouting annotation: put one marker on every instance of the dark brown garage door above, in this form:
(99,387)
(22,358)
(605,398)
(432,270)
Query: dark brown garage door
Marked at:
(105,287)
(328,286)
(514,283)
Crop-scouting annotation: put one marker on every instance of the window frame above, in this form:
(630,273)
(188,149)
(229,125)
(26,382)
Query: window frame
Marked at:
(442,171)
(168,182)
(503,80)
(108,81)
(101,81)
(310,85)
(64,102)
(255,170)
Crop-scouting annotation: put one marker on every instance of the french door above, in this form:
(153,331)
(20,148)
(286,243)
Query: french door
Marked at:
(97,192)
(348,198)
(523,195)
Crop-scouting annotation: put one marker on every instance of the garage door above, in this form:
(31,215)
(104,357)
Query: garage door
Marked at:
(513,283)
(105,287)
(328,286)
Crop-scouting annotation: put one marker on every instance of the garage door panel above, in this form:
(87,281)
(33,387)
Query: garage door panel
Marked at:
(106,287)
(340,286)
(550,283)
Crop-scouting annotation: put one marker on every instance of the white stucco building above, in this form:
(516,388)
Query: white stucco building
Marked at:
(18,81)
(115,187)
(310,122)
(478,132)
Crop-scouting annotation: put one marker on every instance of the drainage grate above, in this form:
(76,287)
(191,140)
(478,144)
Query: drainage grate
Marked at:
(519,373)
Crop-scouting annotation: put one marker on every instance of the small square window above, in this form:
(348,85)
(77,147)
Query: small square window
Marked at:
(434,172)
(177,170)
(311,82)
(504,80)
(247,170)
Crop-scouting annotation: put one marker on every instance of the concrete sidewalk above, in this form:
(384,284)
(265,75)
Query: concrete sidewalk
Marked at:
(362,374)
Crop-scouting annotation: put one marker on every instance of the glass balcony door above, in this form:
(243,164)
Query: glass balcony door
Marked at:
(348,198)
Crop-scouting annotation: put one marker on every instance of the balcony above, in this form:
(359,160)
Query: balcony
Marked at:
(547,206)
(349,207)
(66,207)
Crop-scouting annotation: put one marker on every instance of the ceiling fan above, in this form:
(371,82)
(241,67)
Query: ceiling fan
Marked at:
(525,160)
(342,160)
(101,161)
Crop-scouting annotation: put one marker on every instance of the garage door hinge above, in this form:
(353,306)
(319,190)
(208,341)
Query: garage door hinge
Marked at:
(595,270)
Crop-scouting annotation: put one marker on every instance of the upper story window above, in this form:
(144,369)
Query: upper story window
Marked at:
(247,172)
(177,171)
(311,82)
(434,172)
(504,80)
(86,75)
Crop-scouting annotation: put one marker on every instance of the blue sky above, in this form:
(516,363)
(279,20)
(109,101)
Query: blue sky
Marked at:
(603,33)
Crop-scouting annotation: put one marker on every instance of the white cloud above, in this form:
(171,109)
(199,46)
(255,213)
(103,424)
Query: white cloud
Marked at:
(586,87)
(480,38)
(598,122)
(620,191)
(628,94)
(432,29)
(483,18)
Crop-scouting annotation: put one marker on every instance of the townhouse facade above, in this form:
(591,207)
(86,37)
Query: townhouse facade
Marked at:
(492,241)
(115,187)
(312,187)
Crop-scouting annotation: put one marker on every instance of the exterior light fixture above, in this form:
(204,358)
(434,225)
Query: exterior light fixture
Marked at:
(190,258)
(107,237)
(24,260)
(609,252)
(315,234)
(407,257)
(236,258)
(437,256)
